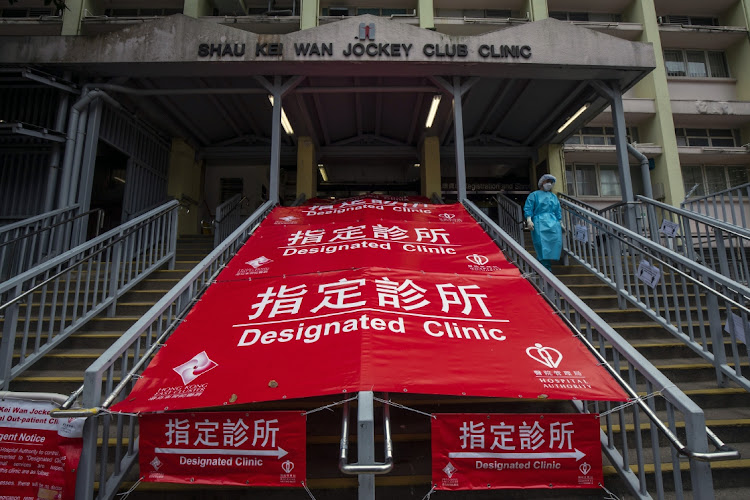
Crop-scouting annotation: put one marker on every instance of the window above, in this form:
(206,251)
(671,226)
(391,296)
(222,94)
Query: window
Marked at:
(689,20)
(696,63)
(228,187)
(713,178)
(141,12)
(717,138)
(586,16)
(32,12)
(477,13)
(595,180)
(599,136)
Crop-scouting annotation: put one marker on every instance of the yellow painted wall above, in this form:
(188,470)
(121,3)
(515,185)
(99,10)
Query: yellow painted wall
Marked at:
(186,178)
(430,167)
(307,169)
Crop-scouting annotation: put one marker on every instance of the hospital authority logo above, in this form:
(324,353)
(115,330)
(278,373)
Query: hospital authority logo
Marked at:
(197,366)
(548,356)
(585,478)
(366,31)
(446,217)
(287,477)
(479,263)
(257,266)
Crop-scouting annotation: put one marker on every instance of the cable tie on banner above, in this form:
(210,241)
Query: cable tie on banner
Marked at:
(610,495)
(630,402)
(118,413)
(429,493)
(328,407)
(397,405)
(310,492)
(132,488)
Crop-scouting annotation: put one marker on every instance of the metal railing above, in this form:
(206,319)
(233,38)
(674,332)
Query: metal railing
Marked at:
(228,217)
(730,205)
(50,302)
(510,217)
(628,441)
(114,372)
(713,243)
(616,213)
(27,243)
(699,306)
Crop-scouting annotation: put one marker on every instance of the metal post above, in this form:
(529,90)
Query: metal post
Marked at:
(274,173)
(8,342)
(458,119)
(621,143)
(717,332)
(366,442)
(114,277)
(616,254)
(173,238)
(700,471)
(54,163)
(88,165)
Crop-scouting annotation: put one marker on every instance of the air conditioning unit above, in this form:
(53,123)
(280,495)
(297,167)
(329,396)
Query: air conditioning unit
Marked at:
(660,20)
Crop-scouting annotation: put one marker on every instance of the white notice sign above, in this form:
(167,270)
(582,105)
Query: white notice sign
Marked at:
(740,328)
(649,274)
(669,228)
(581,233)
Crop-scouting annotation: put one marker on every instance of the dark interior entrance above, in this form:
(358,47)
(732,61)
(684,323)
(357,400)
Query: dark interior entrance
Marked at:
(110,176)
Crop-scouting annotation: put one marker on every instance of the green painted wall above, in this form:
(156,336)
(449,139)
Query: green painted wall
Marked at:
(537,9)
(426,12)
(75,11)
(198,8)
(309,11)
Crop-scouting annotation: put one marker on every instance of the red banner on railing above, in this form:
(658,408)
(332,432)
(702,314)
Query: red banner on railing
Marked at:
(38,454)
(374,329)
(284,250)
(231,448)
(551,450)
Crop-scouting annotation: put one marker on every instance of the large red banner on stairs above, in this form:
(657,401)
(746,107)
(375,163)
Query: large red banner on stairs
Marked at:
(369,318)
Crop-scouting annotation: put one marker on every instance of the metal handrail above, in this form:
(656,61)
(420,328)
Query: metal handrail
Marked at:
(137,344)
(374,468)
(136,227)
(47,228)
(36,218)
(231,210)
(616,340)
(716,287)
(735,199)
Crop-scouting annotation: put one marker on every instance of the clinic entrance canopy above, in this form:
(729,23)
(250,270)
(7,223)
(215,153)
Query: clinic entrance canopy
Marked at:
(362,82)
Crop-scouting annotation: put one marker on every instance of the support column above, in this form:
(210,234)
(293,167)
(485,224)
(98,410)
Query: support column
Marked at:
(307,172)
(309,11)
(553,154)
(185,179)
(275,169)
(198,8)
(75,11)
(366,442)
(458,118)
(429,167)
(426,12)
(537,9)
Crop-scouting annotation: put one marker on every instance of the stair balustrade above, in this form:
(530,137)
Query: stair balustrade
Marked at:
(45,305)
(628,428)
(114,372)
(707,311)
(228,217)
(730,205)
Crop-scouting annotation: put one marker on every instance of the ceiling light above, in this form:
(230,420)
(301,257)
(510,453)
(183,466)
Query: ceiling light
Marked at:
(417,165)
(323,172)
(119,179)
(433,110)
(284,120)
(573,118)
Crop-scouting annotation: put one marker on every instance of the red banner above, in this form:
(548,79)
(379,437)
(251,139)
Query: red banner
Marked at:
(552,450)
(38,454)
(374,329)
(231,448)
(460,248)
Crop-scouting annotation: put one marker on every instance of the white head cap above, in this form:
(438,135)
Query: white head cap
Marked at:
(546,178)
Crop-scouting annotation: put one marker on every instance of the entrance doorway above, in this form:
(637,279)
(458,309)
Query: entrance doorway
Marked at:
(110,171)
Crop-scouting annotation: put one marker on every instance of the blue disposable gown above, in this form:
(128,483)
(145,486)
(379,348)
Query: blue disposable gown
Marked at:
(544,210)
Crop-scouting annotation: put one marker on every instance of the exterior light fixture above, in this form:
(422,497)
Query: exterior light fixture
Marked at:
(323,173)
(573,118)
(284,120)
(433,110)
(417,165)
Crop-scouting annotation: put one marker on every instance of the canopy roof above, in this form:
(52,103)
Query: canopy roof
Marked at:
(342,100)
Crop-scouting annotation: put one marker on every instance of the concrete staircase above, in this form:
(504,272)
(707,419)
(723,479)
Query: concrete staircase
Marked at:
(62,370)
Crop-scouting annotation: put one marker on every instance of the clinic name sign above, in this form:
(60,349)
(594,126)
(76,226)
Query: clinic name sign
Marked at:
(365,46)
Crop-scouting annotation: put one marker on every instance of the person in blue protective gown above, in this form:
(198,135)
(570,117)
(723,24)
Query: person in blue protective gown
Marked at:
(543,216)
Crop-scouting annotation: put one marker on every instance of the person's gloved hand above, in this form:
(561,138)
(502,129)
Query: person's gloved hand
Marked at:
(529,224)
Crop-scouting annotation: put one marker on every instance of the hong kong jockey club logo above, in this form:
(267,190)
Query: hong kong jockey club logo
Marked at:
(548,356)
(197,366)
(156,463)
(477,259)
(259,262)
(449,469)
(287,466)
(366,31)
(585,468)
(288,219)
